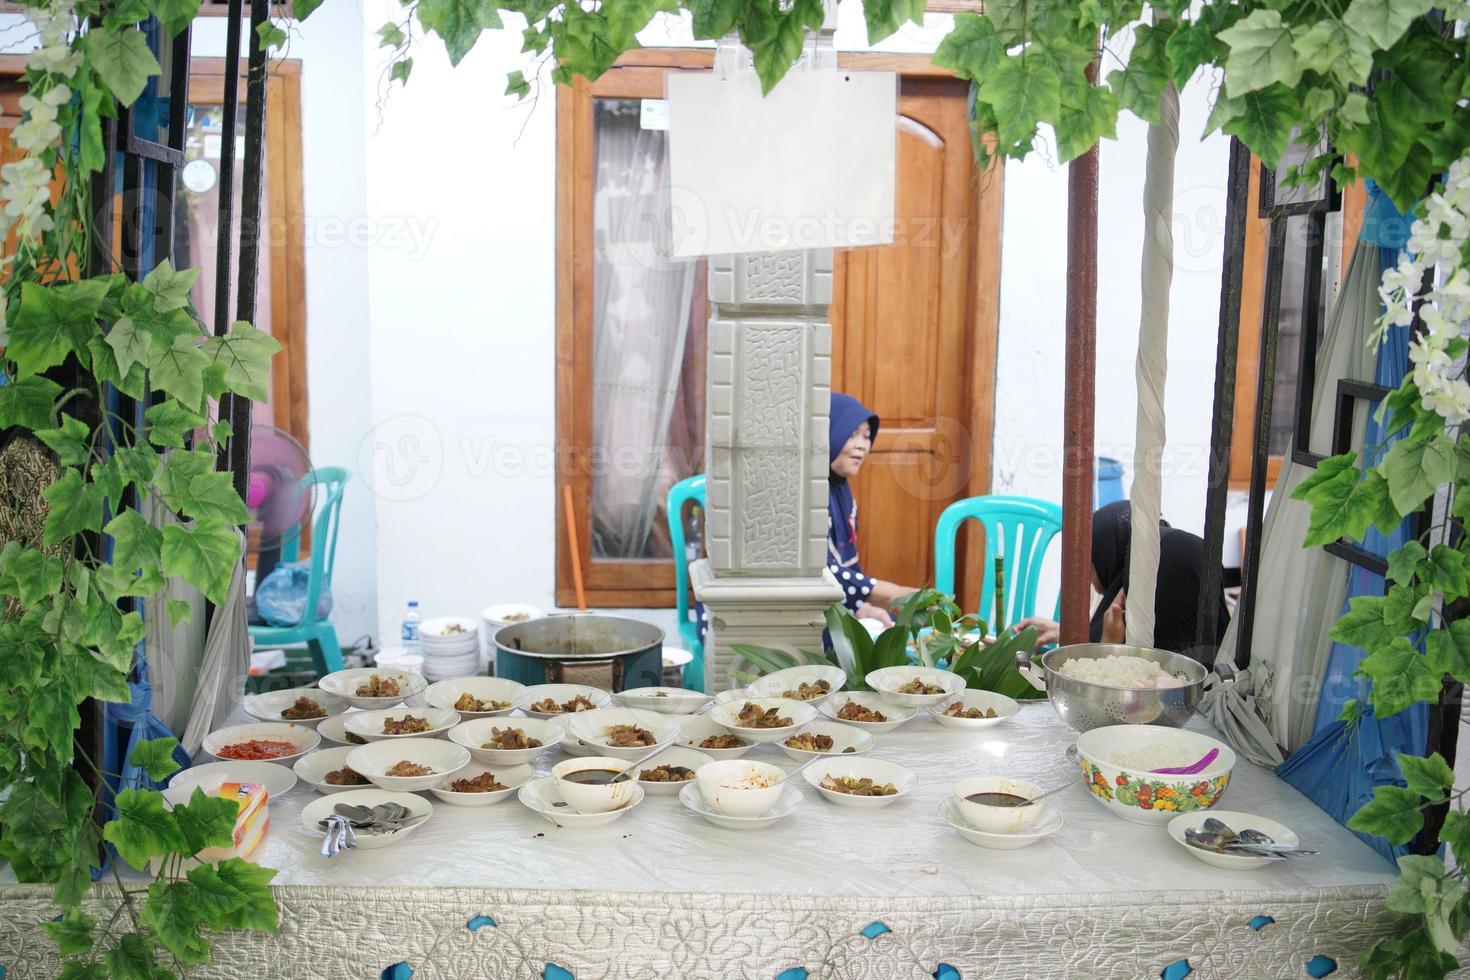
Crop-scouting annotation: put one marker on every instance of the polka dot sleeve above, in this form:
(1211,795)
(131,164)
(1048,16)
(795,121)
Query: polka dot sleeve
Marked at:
(856,587)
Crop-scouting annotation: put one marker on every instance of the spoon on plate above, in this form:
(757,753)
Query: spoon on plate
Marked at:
(632,767)
(798,769)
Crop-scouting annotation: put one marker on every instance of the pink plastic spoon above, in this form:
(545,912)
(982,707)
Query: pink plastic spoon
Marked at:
(1199,766)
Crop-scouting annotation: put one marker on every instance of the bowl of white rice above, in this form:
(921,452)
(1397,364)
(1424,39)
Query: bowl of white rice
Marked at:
(1118,766)
(1094,685)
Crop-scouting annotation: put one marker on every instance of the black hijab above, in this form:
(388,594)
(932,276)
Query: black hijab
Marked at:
(1176,596)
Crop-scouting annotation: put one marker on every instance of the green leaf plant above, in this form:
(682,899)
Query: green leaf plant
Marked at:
(131,506)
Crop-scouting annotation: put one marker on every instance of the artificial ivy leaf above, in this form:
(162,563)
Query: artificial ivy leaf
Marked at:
(1354,109)
(1383,21)
(1400,604)
(117,582)
(1456,833)
(28,574)
(178,370)
(52,717)
(51,322)
(517,85)
(1264,122)
(301,9)
(886,16)
(458,22)
(774,56)
(1416,470)
(1261,54)
(212,495)
(179,611)
(270,36)
(155,756)
(1430,777)
(142,828)
(403,67)
(1139,83)
(246,355)
(1331,50)
(134,383)
(72,933)
(75,506)
(94,678)
(1010,19)
(1419,875)
(1448,649)
(1089,113)
(122,59)
(168,424)
(1330,491)
(713,18)
(1382,143)
(1392,814)
(179,469)
(170,287)
(258,910)
(85,970)
(175,15)
(1401,676)
(28,402)
(133,959)
(172,912)
(1404,562)
(1448,572)
(391,35)
(971,49)
(1316,104)
(1192,44)
(206,821)
(204,554)
(1022,91)
(1376,503)
(71,441)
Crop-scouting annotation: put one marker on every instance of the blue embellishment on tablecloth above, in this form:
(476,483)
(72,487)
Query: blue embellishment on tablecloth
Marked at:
(554,972)
(398,971)
(478,921)
(793,973)
(1260,922)
(874,929)
(1177,970)
(1320,966)
(946,972)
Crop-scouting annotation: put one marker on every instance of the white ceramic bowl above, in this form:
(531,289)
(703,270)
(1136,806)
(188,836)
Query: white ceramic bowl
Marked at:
(369,724)
(726,696)
(1139,795)
(303,737)
(313,768)
(740,787)
(887,680)
(441,631)
(374,761)
(589,798)
(1003,707)
(799,713)
(542,796)
(509,613)
(896,714)
(903,779)
(268,706)
(774,685)
(674,755)
(693,799)
(370,796)
(998,819)
(1237,821)
(843,737)
(1048,823)
(344,684)
(570,744)
(591,727)
(697,728)
(561,694)
(664,700)
(444,694)
(511,777)
(475,733)
(334,729)
(277,780)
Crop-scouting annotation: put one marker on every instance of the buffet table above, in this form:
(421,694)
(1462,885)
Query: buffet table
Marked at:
(828,891)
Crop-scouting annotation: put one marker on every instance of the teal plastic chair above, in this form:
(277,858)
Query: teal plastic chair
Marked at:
(1027,526)
(680,494)
(318,634)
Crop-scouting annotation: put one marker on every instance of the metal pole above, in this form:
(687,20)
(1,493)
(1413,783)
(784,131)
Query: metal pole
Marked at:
(1079,393)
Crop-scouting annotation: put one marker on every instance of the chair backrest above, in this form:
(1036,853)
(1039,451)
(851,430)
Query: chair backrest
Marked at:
(1027,527)
(680,494)
(331,480)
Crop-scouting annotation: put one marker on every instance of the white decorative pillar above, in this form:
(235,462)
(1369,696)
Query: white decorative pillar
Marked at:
(765,581)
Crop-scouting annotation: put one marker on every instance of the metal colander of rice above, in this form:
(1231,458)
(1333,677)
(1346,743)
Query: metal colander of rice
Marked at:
(1119,671)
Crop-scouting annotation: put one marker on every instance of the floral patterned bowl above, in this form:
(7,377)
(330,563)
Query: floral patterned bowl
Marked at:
(1113,766)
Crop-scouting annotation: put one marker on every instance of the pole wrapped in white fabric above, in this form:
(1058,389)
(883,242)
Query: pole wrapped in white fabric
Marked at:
(1153,343)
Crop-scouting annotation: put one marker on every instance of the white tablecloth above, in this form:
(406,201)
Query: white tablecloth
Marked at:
(661,892)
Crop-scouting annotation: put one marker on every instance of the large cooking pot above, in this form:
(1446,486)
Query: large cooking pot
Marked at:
(1086,706)
(535,651)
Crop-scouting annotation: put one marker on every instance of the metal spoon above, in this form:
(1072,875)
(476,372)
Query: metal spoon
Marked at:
(632,767)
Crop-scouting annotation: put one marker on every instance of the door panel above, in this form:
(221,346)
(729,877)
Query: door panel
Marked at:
(903,339)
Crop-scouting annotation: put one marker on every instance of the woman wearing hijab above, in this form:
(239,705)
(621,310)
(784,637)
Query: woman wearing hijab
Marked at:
(1176,599)
(851,429)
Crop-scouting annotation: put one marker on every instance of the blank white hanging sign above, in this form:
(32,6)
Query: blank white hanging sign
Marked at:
(809,166)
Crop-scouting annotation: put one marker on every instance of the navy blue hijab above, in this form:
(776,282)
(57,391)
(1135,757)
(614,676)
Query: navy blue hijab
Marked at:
(846,415)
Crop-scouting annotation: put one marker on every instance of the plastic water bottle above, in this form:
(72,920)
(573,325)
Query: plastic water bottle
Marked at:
(409,637)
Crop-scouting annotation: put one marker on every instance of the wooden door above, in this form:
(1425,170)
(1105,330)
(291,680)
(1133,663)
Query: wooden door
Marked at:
(913,336)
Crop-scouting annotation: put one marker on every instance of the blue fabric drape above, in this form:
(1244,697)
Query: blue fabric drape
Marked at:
(1341,764)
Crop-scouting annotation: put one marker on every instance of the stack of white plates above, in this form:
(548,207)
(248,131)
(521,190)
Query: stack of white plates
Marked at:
(400,659)
(450,646)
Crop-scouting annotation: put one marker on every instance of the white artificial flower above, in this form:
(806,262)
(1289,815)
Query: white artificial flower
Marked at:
(56,59)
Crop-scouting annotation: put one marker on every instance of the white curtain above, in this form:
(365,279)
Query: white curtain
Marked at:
(641,309)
